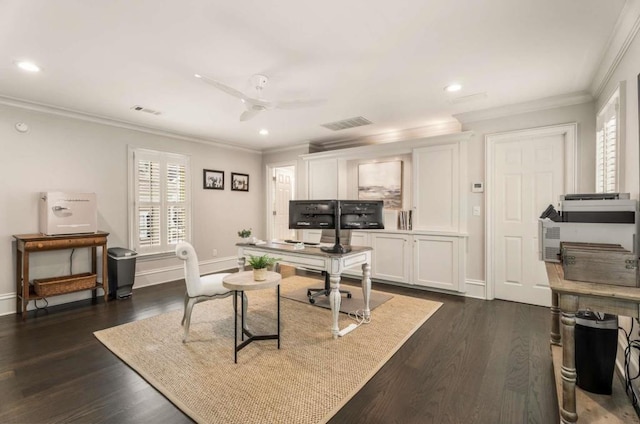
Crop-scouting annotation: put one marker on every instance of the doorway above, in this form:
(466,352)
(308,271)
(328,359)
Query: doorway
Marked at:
(526,171)
(282,181)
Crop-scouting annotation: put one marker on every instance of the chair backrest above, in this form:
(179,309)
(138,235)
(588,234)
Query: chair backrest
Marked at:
(187,253)
(329,236)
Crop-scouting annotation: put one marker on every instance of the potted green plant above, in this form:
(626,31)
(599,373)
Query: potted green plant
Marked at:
(260,265)
(244,234)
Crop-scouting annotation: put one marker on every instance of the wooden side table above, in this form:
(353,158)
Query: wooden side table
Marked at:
(30,243)
(240,282)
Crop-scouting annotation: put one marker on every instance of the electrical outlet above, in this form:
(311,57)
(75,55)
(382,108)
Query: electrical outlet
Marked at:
(476,211)
(215,252)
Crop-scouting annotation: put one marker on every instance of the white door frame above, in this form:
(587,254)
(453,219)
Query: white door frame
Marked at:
(267,188)
(570,132)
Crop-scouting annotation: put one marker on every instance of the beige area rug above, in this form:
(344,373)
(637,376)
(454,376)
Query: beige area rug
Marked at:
(307,381)
(347,305)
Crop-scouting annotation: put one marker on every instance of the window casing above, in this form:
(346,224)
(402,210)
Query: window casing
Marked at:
(608,146)
(159,201)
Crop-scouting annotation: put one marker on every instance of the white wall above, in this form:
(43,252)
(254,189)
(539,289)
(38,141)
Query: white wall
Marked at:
(66,154)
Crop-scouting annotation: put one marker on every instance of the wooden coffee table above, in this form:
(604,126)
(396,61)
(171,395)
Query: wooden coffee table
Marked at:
(240,282)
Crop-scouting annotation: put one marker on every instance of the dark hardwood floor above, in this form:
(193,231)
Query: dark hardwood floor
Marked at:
(474,361)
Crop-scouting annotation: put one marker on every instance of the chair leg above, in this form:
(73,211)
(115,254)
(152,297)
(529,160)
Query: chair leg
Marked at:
(313,293)
(187,315)
(184,314)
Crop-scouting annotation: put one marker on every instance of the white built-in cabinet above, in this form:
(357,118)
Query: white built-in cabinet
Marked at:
(391,260)
(420,259)
(433,253)
(324,178)
(438,262)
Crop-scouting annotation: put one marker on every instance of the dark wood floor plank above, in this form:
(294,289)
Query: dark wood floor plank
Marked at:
(474,361)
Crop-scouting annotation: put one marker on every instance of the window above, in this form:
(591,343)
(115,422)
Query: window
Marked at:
(608,145)
(160,203)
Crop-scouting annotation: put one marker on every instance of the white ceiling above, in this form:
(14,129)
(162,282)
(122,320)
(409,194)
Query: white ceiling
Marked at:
(387,61)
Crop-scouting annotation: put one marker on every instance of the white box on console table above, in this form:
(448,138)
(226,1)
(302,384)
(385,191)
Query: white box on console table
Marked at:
(67,213)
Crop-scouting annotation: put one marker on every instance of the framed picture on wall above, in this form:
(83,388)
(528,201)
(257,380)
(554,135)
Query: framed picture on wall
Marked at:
(381,181)
(212,180)
(239,182)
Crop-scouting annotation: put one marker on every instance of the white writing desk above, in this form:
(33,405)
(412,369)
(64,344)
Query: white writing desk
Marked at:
(314,258)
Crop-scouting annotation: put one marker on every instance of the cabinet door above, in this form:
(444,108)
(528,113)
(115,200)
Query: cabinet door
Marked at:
(311,236)
(438,262)
(436,179)
(391,258)
(323,179)
(359,238)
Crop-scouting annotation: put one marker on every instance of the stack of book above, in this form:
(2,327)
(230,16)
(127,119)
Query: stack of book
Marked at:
(404,220)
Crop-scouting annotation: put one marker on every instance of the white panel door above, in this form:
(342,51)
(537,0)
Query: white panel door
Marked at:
(528,175)
(391,258)
(437,262)
(283,192)
(323,179)
(436,188)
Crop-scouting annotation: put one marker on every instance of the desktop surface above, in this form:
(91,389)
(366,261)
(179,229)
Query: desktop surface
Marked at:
(283,246)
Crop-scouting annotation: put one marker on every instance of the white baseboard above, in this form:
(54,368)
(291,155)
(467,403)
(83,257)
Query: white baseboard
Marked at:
(476,289)
(143,279)
(7,304)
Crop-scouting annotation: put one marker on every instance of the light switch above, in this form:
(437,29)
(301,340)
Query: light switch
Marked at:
(476,211)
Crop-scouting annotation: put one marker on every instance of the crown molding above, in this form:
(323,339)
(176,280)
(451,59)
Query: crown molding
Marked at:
(621,38)
(391,137)
(97,119)
(525,107)
(394,148)
(287,148)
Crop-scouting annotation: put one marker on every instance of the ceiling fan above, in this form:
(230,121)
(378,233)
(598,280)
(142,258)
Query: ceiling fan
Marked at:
(256,104)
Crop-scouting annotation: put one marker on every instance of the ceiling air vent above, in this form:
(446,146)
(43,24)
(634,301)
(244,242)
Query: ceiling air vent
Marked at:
(145,110)
(347,123)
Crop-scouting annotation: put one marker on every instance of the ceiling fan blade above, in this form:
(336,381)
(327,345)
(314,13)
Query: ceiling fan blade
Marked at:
(295,104)
(248,114)
(229,90)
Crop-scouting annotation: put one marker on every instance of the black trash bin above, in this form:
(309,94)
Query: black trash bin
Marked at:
(596,338)
(122,271)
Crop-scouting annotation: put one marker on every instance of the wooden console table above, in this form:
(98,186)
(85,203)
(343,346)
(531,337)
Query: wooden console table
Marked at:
(30,243)
(567,297)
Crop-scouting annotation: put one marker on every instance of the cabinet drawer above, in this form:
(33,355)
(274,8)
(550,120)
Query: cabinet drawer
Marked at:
(36,245)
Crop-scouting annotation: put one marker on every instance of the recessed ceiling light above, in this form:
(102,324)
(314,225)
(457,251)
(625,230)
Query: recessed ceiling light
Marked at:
(27,66)
(453,87)
(264,131)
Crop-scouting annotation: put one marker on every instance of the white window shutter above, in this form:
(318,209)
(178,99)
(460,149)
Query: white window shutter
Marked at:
(607,143)
(161,201)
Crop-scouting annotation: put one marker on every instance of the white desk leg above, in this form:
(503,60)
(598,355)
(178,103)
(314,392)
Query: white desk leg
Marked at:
(335,300)
(241,260)
(366,289)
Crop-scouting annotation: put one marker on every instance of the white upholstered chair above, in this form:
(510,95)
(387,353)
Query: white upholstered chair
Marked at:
(199,288)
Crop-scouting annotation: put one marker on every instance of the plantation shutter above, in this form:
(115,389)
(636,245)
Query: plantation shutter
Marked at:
(176,203)
(148,200)
(607,146)
(161,208)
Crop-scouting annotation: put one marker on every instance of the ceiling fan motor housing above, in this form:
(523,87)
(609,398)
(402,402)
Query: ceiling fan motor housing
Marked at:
(260,81)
